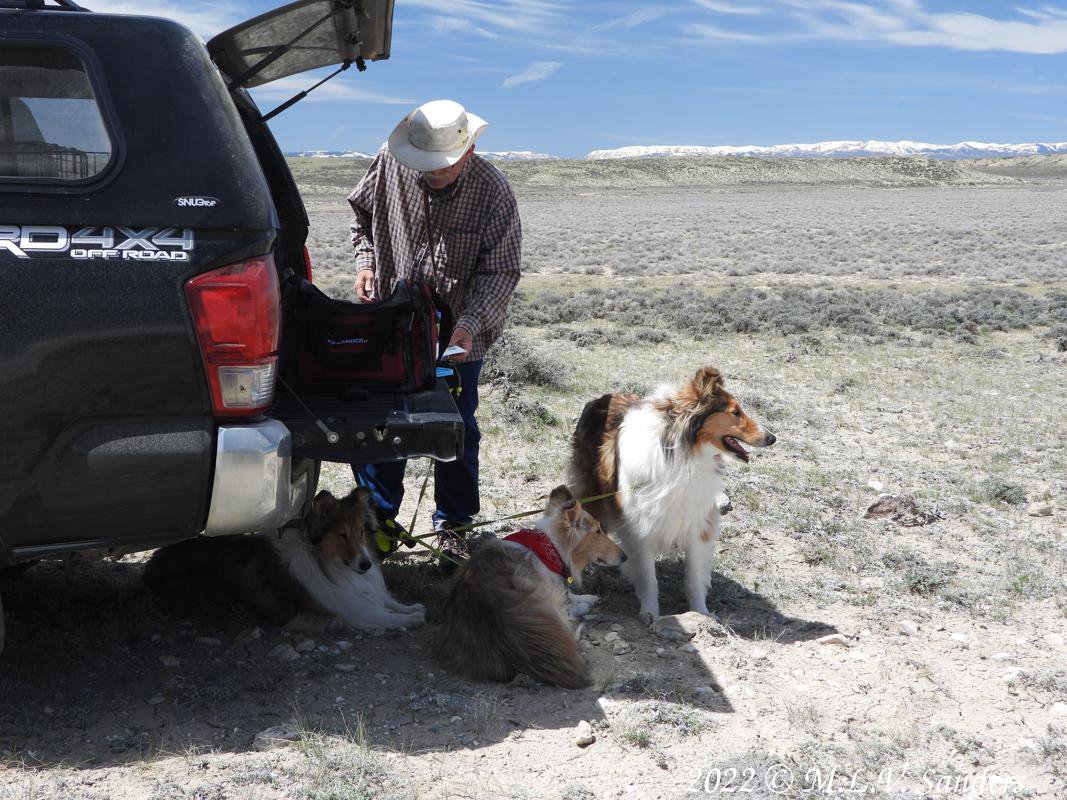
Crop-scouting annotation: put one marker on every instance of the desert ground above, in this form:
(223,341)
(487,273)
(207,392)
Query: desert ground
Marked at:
(899,324)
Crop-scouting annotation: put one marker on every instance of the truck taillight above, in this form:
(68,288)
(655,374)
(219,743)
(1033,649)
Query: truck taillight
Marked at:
(237,317)
(307,263)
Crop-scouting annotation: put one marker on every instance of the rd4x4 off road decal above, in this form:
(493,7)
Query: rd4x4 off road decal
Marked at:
(97,243)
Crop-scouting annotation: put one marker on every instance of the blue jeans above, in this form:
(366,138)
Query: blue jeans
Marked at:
(455,482)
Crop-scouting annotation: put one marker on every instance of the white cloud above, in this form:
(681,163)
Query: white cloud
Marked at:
(728,8)
(527,16)
(1043,13)
(444,25)
(553,25)
(963,31)
(284,88)
(536,71)
(1038,30)
(204,19)
(635,19)
(712,33)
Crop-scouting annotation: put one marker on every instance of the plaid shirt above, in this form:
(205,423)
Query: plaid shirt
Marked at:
(476,232)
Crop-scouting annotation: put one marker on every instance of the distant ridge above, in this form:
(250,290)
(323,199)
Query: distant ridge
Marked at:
(328,154)
(499,155)
(844,149)
(516,155)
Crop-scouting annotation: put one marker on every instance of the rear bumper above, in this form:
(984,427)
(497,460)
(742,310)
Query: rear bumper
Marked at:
(254,487)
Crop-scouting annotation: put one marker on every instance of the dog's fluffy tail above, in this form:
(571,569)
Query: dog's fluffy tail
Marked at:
(594,448)
(184,576)
(501,619)
(218,576)
(586,446)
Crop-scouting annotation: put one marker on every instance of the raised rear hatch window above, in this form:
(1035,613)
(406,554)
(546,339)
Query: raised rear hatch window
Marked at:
(50,121)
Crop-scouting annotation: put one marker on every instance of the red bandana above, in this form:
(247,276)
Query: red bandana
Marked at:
(542,546)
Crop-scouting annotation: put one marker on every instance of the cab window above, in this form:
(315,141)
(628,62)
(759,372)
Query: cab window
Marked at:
(50,122)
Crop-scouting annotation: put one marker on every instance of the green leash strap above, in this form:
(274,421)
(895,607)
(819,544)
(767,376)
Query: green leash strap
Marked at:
(422,494)
(524,514)
(409,537)
(384,539)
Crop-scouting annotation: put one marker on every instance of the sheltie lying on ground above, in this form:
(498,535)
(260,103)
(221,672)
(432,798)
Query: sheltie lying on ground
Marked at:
(303,579)
(510,610)
(663,455)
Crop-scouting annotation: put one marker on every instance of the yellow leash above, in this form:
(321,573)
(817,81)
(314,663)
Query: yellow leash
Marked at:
(385,538)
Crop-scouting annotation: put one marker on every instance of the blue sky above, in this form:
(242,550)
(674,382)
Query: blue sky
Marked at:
(570,76)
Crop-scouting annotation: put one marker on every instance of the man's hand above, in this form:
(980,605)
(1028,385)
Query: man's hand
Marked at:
(365,286)
(461,337)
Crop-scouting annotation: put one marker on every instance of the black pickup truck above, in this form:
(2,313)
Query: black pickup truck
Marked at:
(147,220)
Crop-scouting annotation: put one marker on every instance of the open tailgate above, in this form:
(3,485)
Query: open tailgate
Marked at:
(302,36)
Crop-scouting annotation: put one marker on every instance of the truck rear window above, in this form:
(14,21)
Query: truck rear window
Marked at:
(50,122)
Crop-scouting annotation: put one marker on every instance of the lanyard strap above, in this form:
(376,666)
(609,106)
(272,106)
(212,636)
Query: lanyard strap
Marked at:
(429,228)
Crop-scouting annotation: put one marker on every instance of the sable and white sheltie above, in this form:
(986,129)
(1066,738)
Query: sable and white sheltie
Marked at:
(303,579)
(510,609)
(663,455)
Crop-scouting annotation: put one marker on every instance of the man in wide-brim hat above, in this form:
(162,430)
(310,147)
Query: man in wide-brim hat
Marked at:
(430,209)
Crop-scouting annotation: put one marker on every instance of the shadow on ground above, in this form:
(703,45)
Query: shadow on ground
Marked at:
(93,674)
(746,613)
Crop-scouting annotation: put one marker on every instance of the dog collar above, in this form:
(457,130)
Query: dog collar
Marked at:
(542,547)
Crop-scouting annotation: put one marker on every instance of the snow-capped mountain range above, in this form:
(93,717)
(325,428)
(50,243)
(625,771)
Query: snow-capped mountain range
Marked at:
(841,150)
(329,154)
(845,149)
(499,155)
(516,155)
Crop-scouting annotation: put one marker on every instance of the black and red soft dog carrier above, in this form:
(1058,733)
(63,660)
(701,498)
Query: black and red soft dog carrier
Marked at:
(390,344)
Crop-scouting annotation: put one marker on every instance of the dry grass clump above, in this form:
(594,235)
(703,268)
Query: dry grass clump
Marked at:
(918,574)
(515,361)
(1058,334)
(1052,683)
(341,768)
(997,491)
(591,337)
(1025,577)
(521,410)
(1053,750)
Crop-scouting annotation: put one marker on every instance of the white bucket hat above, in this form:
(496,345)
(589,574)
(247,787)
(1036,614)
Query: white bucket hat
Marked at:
(435,135)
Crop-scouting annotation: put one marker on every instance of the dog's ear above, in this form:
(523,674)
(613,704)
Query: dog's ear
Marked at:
(563,499)
(358,497)
(361,499)
(708,382)
(323,504)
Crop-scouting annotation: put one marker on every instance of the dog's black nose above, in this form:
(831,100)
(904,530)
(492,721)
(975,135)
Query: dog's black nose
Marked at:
(621,560)
(364,565)
(771,439)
